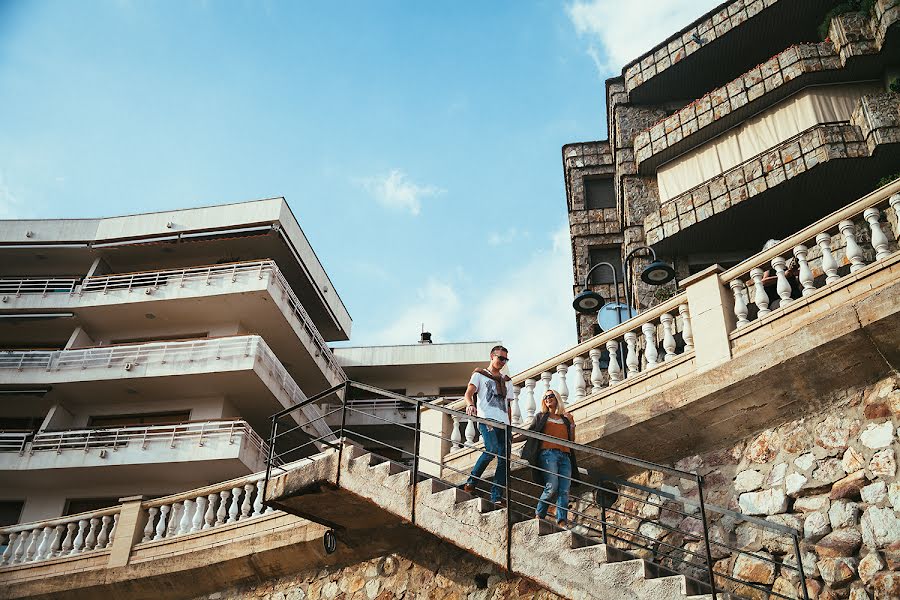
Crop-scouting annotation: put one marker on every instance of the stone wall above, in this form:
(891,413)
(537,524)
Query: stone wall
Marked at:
(831,476)
(434,570)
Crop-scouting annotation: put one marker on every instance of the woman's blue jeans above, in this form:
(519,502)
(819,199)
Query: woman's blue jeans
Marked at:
(494,445)
(557,471)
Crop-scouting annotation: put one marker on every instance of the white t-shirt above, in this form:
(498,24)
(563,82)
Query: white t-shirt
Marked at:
(489,403)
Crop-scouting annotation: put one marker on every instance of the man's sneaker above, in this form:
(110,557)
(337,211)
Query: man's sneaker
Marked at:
(501,503)
(469,488)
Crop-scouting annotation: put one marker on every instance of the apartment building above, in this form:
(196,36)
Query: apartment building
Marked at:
(144,354)
(758,118)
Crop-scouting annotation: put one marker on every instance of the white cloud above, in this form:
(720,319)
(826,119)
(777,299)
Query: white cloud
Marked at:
(625,30)
(395,191)
(529,308)
(506,237)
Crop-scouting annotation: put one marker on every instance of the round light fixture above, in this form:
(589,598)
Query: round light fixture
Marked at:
(657,273)
(588,302)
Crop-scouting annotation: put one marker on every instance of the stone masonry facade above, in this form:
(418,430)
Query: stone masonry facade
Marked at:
(436,571)
(831,476)
(852,34)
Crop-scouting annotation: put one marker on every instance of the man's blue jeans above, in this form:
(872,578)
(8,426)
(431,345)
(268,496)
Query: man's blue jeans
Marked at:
(557,471)
(494,440)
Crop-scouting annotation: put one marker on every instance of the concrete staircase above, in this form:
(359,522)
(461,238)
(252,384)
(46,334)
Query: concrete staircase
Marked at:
(373,497)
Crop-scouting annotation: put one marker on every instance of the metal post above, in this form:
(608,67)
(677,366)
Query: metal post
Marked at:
(603,523)
(271,457)
(800,566)
(417,433)
(709,562)
(507,442)
(341,437)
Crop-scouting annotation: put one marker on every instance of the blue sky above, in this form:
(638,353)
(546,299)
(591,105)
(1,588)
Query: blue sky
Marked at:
(418,143)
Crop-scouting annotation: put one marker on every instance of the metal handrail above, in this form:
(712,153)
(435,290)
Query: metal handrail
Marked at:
(35,285)
(609,529)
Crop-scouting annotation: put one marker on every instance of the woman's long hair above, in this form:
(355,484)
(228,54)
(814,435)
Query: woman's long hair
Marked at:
(560,409)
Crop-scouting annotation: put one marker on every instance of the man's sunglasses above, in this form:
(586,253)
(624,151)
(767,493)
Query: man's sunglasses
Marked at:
(501,358)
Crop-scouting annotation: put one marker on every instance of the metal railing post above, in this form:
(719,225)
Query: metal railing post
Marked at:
(271,456)
(603,523)
(417,445)
(800,566)
(507,443)
(709,561)
(341,437)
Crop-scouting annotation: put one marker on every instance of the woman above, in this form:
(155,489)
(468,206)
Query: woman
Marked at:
(554,463)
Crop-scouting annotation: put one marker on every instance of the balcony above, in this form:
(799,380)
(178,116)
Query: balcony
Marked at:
(829,162)
(243,368)
(859,48)
(732,38)
(253,293)
(172,453)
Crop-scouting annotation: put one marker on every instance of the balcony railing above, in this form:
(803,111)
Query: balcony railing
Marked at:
(14,441)
(208,275)
(175,435)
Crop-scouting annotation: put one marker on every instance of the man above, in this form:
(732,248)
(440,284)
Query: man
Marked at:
(488,396)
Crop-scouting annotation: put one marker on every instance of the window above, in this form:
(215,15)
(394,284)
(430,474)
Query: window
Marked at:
(612,255)
(10,511)
(599,193)
(80,505)
(134,420)
(20,423)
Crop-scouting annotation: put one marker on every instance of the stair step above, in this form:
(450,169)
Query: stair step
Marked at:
(389,468)
(671,586)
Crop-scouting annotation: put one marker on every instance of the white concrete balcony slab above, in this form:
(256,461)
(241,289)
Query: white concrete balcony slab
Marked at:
(218,448)
(254,294)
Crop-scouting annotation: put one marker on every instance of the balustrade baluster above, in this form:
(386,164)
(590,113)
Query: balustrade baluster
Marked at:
(209,518)
(854,252)
(149,527)
(33,542)
(163,523)
(91,540)
(471,430)
(687,332)
(103,537)
(879,240)
(651,353)
(69,542)
(632,362)
(222,513)
(596,370)
(783,286)
(175,519)
(19,552)
(515,412)
(58,534)
(455,435)
(199,513)
(112,532)
(235,510)
(247,505)
(829,264)
(760,297)
(563,390)
(805,276)
(43,550)
(614,370)
(187,517)
(529,406)
(578,378)
(78,543)
(258,502)
(546,376)
(740,305)
(7,556)
(669,345)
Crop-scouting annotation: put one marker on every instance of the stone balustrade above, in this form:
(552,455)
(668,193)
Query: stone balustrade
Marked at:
(822,254)
(58,538)
(207,508)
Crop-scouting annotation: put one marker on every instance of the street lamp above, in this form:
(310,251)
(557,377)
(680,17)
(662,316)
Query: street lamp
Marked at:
(589,302)
(656,273)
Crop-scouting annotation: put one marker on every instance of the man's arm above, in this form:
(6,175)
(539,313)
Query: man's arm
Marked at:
(470,400)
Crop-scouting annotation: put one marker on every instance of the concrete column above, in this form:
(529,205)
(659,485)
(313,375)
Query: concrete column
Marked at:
(129,530)
(79,339)
(433,449)
(712,317)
